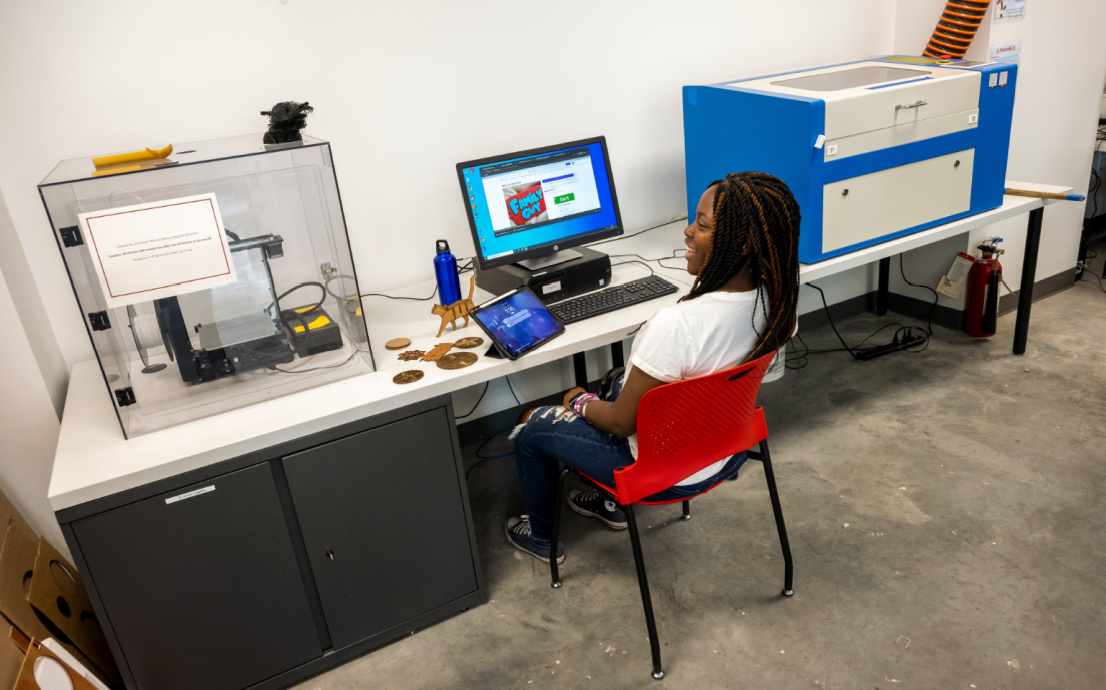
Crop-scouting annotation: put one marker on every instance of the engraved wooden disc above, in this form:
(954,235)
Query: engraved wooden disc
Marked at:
(468,343)
(457,360)
(407,376)
(397,343)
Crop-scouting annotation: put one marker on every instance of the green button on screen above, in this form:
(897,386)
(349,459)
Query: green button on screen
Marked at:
(563,198)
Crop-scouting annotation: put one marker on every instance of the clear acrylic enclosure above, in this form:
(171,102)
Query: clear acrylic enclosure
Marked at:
(177,341)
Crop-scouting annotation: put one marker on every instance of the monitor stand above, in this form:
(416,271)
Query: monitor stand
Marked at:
(549,260)
(564,277)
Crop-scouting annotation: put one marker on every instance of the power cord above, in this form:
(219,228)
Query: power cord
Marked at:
(902,334)
(633,261)
(932,309)
(461,270)
(639,232)
(469,413)
(484,458)
(508,377)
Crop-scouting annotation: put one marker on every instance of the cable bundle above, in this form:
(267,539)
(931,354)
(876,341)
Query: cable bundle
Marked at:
(956,28)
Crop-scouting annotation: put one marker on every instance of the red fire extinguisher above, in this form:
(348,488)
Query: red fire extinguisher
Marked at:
(983,281)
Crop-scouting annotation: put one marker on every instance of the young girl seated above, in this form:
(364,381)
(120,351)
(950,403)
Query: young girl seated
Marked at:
(742,248)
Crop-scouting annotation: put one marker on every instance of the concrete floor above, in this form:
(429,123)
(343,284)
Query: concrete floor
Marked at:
(946,518)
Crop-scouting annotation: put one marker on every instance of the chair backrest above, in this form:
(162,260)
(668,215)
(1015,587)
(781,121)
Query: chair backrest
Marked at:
(685,426)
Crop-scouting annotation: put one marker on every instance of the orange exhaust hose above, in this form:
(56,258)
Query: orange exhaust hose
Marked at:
(952,48)
(942,42)
(970,19)
(953,21)
(949,29)
(958,40)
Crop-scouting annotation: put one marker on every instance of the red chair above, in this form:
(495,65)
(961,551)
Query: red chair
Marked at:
(683,427)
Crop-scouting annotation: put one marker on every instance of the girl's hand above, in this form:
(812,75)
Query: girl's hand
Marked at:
(567,402)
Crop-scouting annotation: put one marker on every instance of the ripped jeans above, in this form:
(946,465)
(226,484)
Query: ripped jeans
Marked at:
(553,436)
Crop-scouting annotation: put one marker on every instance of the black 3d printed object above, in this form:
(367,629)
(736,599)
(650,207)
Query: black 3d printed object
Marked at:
(286,120)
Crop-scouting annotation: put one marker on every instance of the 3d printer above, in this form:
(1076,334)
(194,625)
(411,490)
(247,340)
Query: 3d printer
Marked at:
(289,319)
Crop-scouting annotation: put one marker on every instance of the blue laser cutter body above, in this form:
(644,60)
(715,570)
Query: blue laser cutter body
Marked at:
(872,150)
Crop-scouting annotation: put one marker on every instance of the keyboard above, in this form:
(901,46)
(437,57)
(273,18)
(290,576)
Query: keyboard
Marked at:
(610,299)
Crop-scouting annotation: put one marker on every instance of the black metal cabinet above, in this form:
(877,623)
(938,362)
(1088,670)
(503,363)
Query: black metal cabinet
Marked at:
(268,568)
(201,584)
(373,509)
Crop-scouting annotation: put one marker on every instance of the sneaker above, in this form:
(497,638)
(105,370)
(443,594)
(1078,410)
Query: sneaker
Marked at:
(520,537)
(592,504)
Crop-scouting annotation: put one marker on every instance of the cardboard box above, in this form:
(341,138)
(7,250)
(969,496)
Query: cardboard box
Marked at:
(56,593)
(31,568)
(13,649)
(44,670)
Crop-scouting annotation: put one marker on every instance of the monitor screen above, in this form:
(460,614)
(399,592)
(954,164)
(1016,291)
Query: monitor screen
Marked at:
(532,203)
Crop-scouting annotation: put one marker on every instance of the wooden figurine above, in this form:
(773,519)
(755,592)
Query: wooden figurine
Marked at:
(458,309)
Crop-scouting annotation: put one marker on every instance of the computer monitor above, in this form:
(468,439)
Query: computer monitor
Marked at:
(532,207)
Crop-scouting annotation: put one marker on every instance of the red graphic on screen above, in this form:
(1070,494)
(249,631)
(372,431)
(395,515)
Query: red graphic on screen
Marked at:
(527,205)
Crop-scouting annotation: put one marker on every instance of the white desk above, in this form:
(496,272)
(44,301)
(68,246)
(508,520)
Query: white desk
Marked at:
(93,460)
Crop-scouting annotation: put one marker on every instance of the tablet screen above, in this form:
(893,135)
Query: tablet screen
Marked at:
(518,322)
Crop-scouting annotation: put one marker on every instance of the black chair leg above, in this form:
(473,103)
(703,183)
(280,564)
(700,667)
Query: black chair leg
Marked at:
(558,500)
(687,510)
(646,600)
(771,478)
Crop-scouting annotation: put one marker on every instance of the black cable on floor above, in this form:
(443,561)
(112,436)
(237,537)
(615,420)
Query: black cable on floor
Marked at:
(825,306)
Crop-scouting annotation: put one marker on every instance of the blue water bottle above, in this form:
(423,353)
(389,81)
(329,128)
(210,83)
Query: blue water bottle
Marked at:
(445,270)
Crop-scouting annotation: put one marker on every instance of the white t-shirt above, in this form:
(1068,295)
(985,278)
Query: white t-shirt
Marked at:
(710,333)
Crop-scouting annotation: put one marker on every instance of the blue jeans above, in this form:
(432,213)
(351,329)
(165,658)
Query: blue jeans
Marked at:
(552,437)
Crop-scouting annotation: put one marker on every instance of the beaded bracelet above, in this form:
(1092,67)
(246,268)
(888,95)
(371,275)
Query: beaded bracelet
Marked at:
(580,402)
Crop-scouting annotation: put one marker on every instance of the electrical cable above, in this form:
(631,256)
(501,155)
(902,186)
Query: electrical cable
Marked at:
(1092,274)
(319,368)
(517,401)
(626,237)
(936,297)
(825,305)
(469,414)
(483,457)
(633,261)
(413,299)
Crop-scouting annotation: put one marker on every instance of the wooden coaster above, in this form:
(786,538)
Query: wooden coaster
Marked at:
(407,376)
(397,343)
(468,343)
(411,354)
(436,353)
(457,360)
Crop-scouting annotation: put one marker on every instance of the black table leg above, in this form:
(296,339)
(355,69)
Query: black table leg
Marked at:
(884,280)
(581,366)
(1029,276)
(617,358)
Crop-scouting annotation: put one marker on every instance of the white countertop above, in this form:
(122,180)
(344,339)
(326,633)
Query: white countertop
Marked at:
(94,460)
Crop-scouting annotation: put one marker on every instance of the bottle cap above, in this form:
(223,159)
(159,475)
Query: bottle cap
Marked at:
(443,246)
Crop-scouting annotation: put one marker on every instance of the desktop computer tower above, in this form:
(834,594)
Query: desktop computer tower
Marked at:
(586,273)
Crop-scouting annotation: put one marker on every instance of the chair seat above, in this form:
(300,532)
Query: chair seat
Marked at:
(613,495)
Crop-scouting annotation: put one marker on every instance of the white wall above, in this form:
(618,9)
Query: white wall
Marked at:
(47,360)
(1060,77)
(403,90)
(28,425)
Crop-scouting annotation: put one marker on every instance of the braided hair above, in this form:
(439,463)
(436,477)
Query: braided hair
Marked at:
(756,222)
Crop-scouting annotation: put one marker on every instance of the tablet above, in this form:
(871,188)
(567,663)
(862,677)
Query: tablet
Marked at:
(517,322)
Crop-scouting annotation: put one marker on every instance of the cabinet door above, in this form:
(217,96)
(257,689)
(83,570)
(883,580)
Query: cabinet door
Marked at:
(384,523)
(201,585)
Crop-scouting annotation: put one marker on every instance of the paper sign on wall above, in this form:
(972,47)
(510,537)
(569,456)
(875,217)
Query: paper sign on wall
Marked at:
(1006,53)
(162,249)
(1009,9)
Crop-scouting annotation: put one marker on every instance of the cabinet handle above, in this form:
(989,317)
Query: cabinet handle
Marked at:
(330,554)
(913,105)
